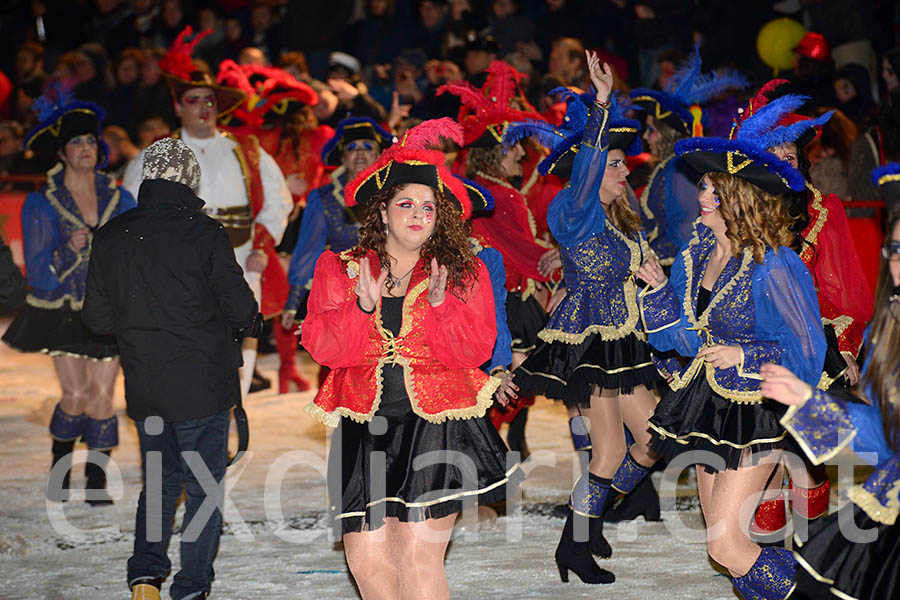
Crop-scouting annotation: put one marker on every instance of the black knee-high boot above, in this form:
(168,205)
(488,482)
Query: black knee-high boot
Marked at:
(588,499)
(641,497)
(95,473)
(58,490)
(515,435)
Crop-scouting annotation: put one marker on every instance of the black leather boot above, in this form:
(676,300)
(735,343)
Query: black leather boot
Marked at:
(515,435)
(576,557)
(62,453)
(642,502)
(96,480)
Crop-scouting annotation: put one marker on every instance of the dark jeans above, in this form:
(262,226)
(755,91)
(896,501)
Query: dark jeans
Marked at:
(188,455)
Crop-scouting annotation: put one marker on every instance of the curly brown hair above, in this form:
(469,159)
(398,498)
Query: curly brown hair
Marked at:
(487,160)
(753,217)
(668,135)
(448,243)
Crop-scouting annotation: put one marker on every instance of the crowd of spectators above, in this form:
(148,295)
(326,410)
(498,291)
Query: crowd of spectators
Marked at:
(386,58)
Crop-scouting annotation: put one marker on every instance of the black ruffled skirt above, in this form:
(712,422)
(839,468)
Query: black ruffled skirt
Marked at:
(402,466)
(570,372)
(829,561)
(697,418)
(525,320)
(58,332)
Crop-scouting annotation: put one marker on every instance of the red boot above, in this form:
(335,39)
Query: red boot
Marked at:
(810,503)
(286,342)
(769,521)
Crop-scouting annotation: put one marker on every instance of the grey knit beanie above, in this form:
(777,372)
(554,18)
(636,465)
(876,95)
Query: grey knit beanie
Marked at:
(171,159)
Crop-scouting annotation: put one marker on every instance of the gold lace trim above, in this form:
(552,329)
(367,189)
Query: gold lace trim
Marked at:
(886,515)
(787,421)
(645,198)
(683,439)
(813,234)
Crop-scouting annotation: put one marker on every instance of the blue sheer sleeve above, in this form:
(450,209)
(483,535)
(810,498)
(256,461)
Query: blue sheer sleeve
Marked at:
(49,258)
(576,214)
(502,354)
(682,207)
(311,240)
(826,423)
(788,322)
(662,313)
(126,201)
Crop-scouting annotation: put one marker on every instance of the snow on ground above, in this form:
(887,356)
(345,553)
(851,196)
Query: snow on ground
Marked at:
(275,543)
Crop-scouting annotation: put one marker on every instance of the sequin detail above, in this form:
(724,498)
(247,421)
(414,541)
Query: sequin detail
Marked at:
(65,427)
(628,475)
(101,434)
(771,577)
(821,426)
(588,497)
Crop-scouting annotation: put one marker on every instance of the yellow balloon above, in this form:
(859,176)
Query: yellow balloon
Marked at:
(776,40)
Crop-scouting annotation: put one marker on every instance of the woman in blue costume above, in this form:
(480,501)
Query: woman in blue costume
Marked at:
(58,222)
(667,201)
(593,355)
(855,553)
(738,297)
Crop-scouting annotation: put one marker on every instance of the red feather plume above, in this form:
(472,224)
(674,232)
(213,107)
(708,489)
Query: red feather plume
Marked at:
(178,62)
(417,145)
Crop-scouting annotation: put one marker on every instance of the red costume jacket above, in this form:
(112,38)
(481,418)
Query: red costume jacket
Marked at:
(440,348)
(511,229)
(844,296)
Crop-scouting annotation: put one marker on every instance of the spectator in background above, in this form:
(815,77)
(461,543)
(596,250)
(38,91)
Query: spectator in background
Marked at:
(481,50)
(566,62)
(235,40)
(251,55)
(878,145)
(890,71)
(431,29)
(30,63)
(91,68)
(212,48)
(170,23)
(461,18)
(151,130)
(660,26)
(509,27)
(813,69)
(853,90)
(153,99)
(829,154)
(12,137)
(352,93)
(295,64)
(120,110)
(265,32)
(111,25)
(121,150)
(381,35)
(561,18)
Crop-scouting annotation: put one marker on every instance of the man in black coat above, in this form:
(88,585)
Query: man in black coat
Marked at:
(164,280)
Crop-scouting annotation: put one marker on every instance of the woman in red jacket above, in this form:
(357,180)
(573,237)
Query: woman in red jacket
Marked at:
(404,320)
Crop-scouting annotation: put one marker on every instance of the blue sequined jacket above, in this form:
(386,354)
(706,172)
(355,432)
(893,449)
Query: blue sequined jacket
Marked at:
(826,423)
(599,260)
(668,208)
(769,310)
(57,274)
(326,221)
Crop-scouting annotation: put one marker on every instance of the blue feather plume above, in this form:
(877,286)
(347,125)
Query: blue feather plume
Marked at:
(766,118)
(791,133)
(706,87)
(686,76)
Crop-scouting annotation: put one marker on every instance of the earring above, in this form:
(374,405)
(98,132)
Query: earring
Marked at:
(387,230)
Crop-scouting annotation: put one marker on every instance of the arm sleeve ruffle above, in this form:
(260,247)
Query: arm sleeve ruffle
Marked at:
(335,329)
(576,214)
(788,323)
(461,333)
(662,311)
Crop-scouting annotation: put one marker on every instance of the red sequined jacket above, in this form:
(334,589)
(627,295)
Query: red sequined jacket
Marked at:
(440,348)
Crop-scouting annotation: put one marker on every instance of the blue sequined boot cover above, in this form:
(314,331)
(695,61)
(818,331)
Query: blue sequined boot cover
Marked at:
(102,434)
(65,427)
(581,439)
(772,576)
(628,475)
(589,496)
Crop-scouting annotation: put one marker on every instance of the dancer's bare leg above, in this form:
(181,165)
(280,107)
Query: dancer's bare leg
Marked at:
(636,408)
(74,380)
(420,549)
(727,511)
(102,385)
(607,433)
(373,563)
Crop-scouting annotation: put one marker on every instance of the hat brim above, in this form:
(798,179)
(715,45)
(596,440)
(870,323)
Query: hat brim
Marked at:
(772,175)
(397,173)
(227,98)
(652,106)
(350,133)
